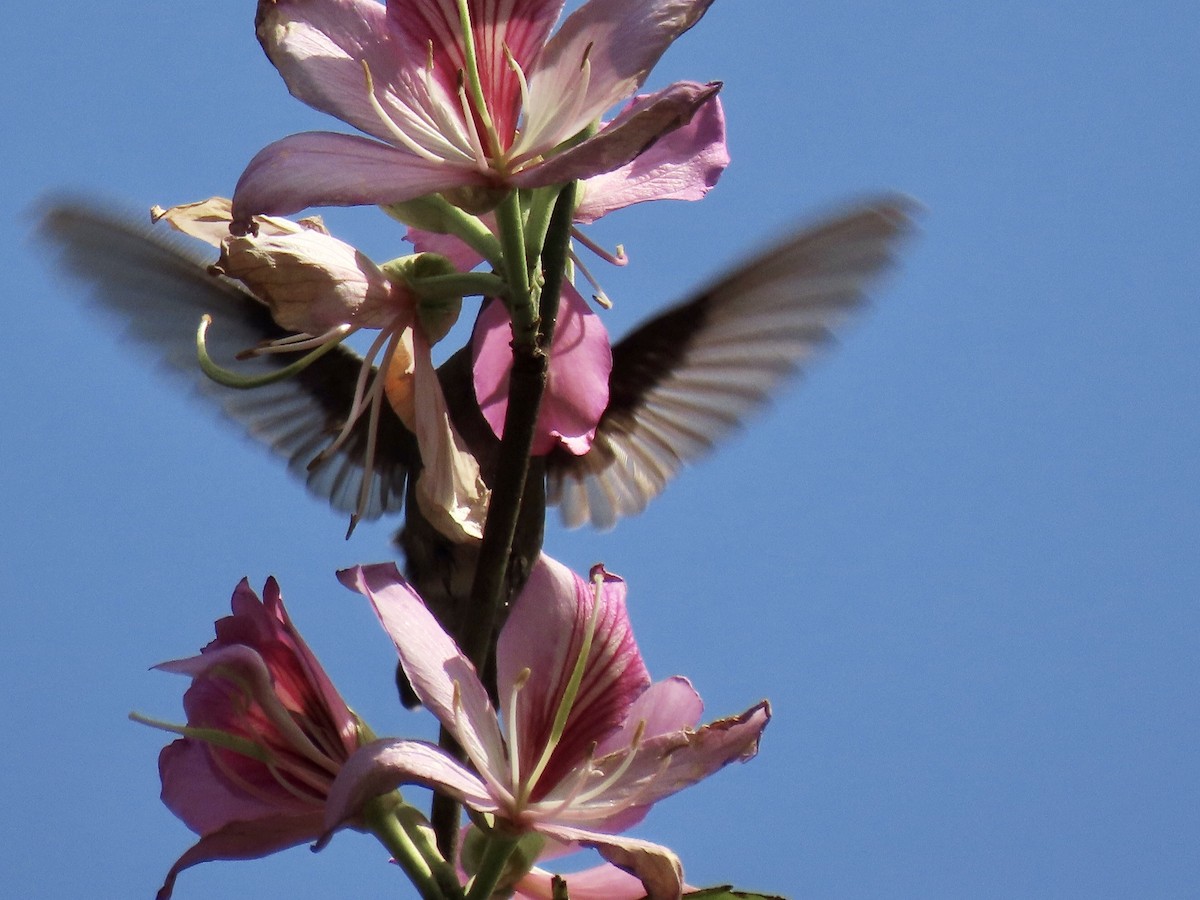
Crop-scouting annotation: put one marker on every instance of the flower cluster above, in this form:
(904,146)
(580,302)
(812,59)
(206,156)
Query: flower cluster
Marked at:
(484,132)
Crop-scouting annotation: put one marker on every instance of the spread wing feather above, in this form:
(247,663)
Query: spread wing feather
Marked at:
(690,375)
(158,288)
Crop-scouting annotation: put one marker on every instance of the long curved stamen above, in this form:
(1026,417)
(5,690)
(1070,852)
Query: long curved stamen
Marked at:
(598,292)
(393,129)
(357,404)
(638,733)
(471,65)
(472,132)
(563,713)
(364,487)
(617,259)
(578,781)
(522,83)
(293,343)
(514,747)
(232,379)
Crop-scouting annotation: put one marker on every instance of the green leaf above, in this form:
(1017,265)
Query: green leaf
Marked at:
(726,892)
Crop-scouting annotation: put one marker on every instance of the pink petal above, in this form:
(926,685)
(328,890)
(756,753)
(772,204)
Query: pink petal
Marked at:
(454,249)
(319,168)
(246,840)
(668,763)
(521,25)
(577,388)
(622,40)
(544,634)
(320,47)
(631,133)
(200,796)
(432,661)
(659,870)
(385,765)
(664,707)
(681,165)
(603,882)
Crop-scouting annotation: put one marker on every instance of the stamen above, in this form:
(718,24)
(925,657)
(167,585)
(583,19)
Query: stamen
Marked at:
(364,487)
(599,296)
(571,692)
(296,342)
(638,733)
(232,379)
(392,128)
(617,259)
(357,404)
(471,66)
(514,747)
(472,131)
(521,81)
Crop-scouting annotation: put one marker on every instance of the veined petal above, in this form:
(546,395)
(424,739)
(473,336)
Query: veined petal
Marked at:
(668,763)
(621,41)
(577,385)
(320,168)
(320,48)
(385,765)
(681,165)
(664,707)
(544,633)
(521,26)
(658,869)
(625,138)
(202,797)
(433,663)
(246,840)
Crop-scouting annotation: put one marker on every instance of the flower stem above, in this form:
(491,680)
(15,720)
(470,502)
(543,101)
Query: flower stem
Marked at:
(520,303)
(412,851)
(492,585)
(491,867)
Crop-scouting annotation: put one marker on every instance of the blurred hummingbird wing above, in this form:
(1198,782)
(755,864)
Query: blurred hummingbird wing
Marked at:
(690,375)
(158,289)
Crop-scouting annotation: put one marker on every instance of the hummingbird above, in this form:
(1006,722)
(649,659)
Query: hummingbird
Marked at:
(680,381)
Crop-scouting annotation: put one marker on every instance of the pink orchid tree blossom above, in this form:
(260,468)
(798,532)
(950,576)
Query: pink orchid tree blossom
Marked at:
(588,744)
(683,165)
(325,290)
(266,735)
(466,97)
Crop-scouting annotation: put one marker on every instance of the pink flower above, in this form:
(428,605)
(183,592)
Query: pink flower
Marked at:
(682,165)
(474,115)
(588,743)
(266,734)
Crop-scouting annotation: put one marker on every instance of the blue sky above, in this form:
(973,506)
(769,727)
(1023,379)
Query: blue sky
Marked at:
(960,557)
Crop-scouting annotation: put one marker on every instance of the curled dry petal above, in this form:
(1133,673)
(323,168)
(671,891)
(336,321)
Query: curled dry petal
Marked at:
(313,282)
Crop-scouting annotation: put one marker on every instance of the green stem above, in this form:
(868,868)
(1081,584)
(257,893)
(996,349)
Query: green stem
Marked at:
(526,386)
(520,304)
(396,827)
(387,828)
(469,284)
(491,867)
(435,213)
